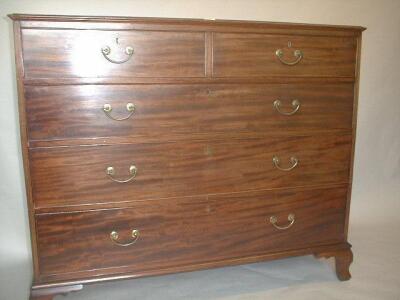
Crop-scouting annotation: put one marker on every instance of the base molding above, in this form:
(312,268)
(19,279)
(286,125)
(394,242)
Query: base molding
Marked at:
(340,251)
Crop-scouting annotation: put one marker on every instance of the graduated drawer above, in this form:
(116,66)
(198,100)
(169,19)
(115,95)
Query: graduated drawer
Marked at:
(84,53)
(163,234)
(244,54)
(63,112)
(88,174)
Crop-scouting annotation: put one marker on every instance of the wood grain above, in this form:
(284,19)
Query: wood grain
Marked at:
(185,80)
(67,176)
(173,24)
(354,129)
(24,141)
(203,137)
(65,112)
(178,232)
(69,53)
(123,273)
(254,55)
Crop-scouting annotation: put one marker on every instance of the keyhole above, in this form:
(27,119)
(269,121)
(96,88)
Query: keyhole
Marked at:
(289,44)
(117,41)
(208,150)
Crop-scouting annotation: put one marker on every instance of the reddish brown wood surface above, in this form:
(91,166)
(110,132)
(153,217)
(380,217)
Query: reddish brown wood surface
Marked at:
(24,142)
(70,53)
(67,176)
(188,231)
(343,259)
(62,112)
(254,55)
(185,80)
(109,22)
(354,127)
(204,127)
(106,275)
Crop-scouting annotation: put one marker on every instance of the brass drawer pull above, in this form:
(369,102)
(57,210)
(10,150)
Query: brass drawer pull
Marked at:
(130,107)
(110,171)
(273,220)
(297,53)
(295,104)
(106,50)
(293,160)
(114,237)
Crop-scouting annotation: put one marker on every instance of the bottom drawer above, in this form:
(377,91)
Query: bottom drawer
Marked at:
(179,232)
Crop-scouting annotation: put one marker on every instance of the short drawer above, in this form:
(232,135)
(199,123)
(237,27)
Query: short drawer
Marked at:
(177,232)
(91,53)
(64,112)
(237,55)
(114,173)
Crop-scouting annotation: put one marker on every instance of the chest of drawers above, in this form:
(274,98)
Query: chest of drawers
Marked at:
(154,146)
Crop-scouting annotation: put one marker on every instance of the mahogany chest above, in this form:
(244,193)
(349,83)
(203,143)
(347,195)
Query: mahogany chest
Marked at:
(155,146)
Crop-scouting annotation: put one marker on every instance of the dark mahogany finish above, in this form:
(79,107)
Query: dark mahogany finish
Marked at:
(177,232)
(250,55)
(76,111)
(70,53)
(67,176)
(202,136)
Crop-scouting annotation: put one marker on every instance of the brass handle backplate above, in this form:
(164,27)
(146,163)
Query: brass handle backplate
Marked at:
(298,54)
(293,160)
(106,51)
(110,171)
(107,108)
(274,220)
(295,104)
(114,236)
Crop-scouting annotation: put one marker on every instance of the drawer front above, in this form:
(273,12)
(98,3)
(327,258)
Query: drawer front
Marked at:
(62,112)
(78,53)
(237,55)
(178,232)
(78,175)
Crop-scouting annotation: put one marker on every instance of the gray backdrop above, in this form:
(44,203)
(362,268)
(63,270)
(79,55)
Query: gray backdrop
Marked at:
(374,222)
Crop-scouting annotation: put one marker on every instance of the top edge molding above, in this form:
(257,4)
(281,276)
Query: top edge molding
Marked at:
(180,21)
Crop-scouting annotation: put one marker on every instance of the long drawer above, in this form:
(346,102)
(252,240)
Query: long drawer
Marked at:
(249,55)
(63,112)
(107,53)
(176,232)
(88,174)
